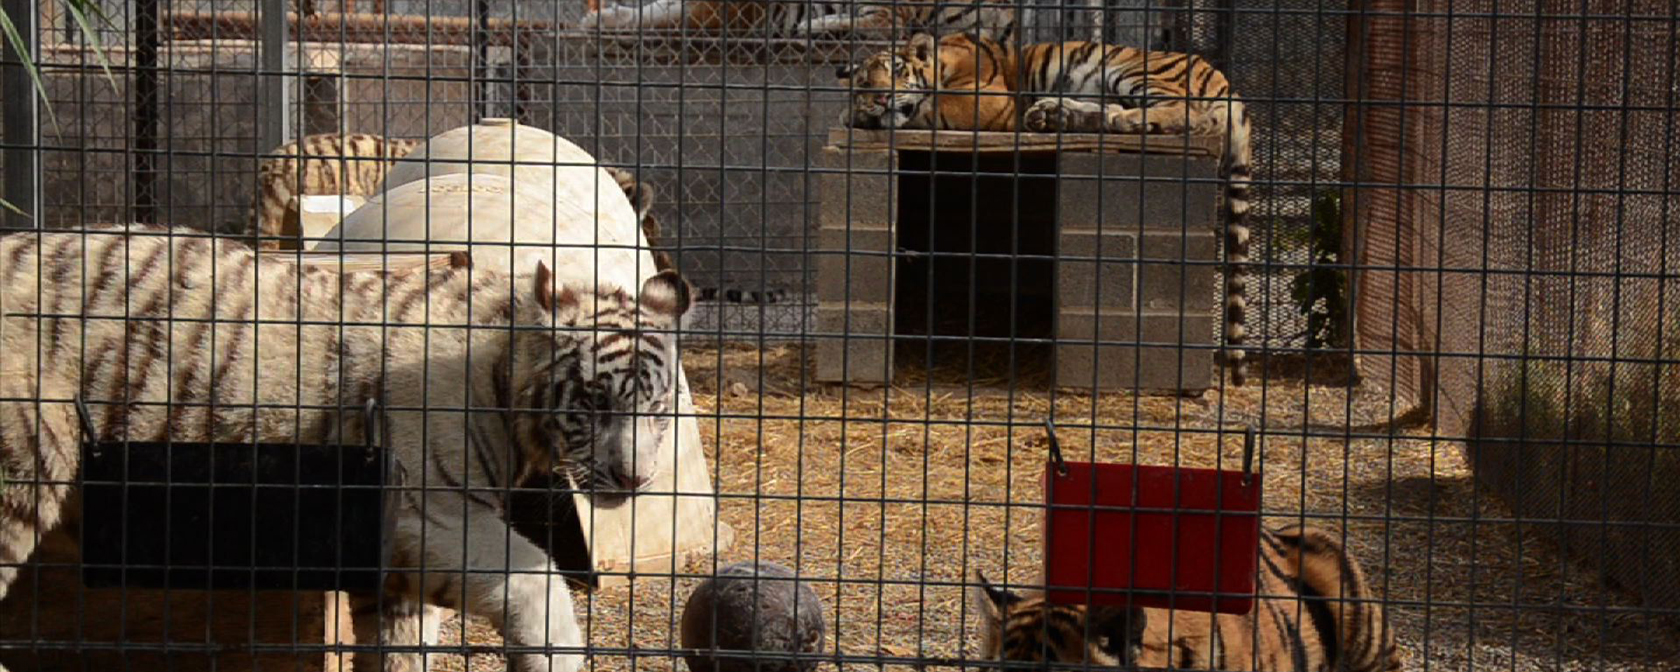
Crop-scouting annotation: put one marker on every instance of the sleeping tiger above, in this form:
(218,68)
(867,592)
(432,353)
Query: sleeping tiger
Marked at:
(1314,612)
(877,19)
(979,80)
(123,316)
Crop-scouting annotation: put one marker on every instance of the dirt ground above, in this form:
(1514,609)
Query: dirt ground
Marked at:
(886,499)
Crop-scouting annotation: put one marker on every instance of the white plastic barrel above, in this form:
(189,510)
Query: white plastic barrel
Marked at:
(487,215)
(585,204)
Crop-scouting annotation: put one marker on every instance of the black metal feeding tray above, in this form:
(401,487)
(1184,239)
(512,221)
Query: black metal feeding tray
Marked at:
(266,516)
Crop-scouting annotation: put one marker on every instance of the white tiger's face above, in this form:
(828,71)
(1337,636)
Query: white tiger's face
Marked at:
(618,394)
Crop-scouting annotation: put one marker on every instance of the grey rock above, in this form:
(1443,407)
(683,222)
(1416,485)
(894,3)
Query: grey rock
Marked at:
(752,607)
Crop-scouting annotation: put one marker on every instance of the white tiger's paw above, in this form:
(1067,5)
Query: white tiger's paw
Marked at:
(1051,115)
(570,662)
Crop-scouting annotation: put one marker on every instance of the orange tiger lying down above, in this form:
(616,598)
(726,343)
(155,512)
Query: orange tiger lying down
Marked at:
(1315,612)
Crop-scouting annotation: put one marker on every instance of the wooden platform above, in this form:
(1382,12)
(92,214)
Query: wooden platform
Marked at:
(856,139)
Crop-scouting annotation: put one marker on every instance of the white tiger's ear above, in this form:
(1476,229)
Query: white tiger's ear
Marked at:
(665,294)
(922,46)
(544,289)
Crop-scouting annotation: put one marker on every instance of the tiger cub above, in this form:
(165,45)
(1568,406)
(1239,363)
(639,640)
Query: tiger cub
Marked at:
(876,19)
(1072,86)
(315,165)
(1315,612)
(169,333)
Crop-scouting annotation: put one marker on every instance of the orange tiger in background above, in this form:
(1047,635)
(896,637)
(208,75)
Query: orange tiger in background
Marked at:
(319,165)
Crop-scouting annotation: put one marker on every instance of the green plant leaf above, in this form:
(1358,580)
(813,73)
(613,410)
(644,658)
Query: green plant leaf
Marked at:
(79,11)
(8,205)
(28,62)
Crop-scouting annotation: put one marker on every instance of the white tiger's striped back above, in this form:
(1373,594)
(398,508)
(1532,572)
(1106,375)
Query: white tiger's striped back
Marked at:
(881,19)
(993,19)
(168,333)
(128,318)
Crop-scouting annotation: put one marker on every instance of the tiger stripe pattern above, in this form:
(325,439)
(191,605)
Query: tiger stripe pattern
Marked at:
(876,19)
(641,195)
(170,333)
(1314,611)
(1076,87)
(319,165)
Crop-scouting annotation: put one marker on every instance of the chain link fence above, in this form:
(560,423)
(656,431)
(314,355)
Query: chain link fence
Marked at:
(736,205)
(1465,203)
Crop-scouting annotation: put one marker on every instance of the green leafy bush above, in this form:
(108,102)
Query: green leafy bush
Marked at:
(1320,289)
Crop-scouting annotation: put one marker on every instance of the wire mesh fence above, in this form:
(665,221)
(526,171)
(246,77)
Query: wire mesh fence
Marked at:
(326,410)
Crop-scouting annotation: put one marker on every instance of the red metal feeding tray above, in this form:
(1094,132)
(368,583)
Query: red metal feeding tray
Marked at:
(1117,534)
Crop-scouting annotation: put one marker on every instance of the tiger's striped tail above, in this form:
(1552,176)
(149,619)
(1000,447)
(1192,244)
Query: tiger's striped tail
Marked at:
(1333,584)
(1233,214)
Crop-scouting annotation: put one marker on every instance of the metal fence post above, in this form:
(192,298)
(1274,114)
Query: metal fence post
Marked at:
(147,102)
(273,101)
(21,116)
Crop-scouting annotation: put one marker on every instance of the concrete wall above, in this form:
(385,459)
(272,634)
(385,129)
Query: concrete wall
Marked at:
(206,167)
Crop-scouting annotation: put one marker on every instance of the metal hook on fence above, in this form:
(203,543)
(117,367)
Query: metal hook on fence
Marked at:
(376,431)
(88,435)
(1248,454)
(371,430)
(1055,447)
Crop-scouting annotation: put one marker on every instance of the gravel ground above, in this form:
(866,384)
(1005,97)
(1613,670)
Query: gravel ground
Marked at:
(887,498)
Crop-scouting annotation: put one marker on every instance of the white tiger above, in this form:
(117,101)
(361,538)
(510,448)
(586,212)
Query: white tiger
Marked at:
(875,19)
(570,378)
